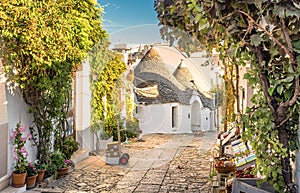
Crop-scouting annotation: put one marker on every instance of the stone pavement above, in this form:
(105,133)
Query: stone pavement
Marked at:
(179,165)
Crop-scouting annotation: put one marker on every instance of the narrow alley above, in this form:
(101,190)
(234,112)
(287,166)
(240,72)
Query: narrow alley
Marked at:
(163,163)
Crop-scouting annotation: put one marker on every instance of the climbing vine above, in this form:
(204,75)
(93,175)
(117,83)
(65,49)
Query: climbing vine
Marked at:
(107,68)
(266,34)
(42,43)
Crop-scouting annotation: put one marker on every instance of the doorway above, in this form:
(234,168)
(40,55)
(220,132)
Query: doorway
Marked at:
(196,117)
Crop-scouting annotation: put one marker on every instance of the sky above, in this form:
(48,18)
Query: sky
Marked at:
(130,21)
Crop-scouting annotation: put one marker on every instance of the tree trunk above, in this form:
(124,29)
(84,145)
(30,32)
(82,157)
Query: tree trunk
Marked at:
(279,112)
(280,116)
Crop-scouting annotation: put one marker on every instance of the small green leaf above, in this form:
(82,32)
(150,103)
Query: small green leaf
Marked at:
(198,17)
(276,186)
(274,174)
(296,45)
(271,90)
(289,78)
(256,39)
(290,69)
(232,50)
(247,76)
(280,89)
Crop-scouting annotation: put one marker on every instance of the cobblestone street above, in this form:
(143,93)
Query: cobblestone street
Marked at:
(176,163)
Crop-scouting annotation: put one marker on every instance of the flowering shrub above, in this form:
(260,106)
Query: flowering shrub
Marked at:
(69,147)
(58,159)
(19,138)
(39,166)
(31,169)
(69,163)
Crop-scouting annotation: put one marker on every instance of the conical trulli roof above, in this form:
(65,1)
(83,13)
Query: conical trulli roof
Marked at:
(183,75)
(152,71)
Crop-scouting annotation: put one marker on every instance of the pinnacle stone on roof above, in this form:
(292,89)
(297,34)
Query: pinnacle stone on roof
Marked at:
(152,55)
(183,75)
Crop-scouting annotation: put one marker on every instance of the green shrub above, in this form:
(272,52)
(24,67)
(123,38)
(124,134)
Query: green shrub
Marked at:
(69,147)
(57,158)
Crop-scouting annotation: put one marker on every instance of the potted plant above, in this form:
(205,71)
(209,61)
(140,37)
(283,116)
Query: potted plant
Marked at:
(19,137)
(69,147)
(51,171)
(31,175)
(58,160)
(41,169)
(70,164)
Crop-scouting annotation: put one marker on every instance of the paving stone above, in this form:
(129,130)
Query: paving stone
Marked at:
(179,165)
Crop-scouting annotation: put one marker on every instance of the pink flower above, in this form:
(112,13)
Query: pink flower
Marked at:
(67,161)
(23,150)
(19,137)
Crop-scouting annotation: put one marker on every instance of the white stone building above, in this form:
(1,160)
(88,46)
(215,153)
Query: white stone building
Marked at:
(173,93)
(13,110)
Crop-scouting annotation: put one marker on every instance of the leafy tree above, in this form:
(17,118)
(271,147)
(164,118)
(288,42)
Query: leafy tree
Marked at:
(266,34)
(42,43)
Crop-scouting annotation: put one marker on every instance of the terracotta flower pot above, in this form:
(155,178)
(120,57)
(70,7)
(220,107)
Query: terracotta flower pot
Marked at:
(63,171)
(30,181)
(18,180)
(40,177)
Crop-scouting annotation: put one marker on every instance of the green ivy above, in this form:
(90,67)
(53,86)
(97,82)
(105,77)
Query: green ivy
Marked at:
(42,43)
(107,68)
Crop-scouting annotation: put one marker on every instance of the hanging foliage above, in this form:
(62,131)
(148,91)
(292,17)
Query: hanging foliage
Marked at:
(107,68)
(42,43)
(266,34)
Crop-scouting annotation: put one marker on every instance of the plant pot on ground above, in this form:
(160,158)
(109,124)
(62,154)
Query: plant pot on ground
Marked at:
(41,170)
(19,138)
(59,161)
(31,176)
(18,180)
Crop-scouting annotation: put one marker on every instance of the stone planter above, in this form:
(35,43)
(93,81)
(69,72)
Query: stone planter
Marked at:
(104,142)
(249,185)
(31,181)
(18,180)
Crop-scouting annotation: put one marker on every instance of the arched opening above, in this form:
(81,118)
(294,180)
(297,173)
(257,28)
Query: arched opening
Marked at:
(196,116)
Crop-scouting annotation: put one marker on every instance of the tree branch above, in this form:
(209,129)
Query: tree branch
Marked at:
(269,34)
(288,52)
(265,82)
(294,64)
(287,37)
(283,122)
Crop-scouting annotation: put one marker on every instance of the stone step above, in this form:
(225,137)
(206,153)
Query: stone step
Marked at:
(80,155)
(11,189)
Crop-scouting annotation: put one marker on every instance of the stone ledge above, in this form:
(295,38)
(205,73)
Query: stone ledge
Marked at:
(80,155)
(48,190)
(11,189)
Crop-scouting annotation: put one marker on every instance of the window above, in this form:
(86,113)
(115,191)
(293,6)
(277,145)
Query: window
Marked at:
(174,117)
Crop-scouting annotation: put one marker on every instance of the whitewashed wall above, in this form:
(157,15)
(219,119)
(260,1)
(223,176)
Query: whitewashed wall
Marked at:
(17,111)
(4,175)
(205,119)
(157,118)
(83,108)
(185,119)
(206,115)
